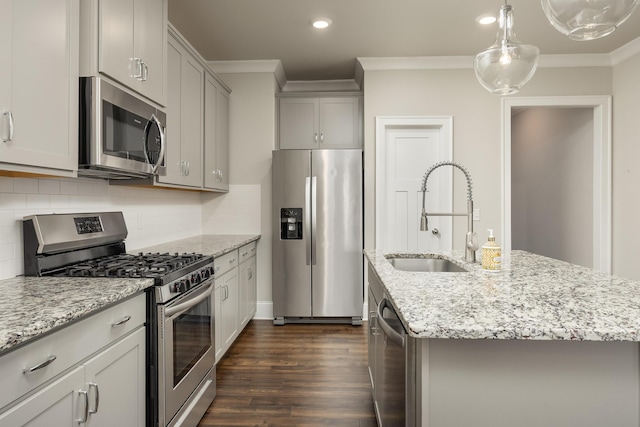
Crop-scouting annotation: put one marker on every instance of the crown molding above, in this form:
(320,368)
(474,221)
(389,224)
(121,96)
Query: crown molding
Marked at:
(626,51)
(466,62)
(347,85)
(253,66)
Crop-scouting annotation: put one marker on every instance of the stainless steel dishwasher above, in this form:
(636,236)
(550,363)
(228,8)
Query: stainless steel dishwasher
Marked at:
(395,363)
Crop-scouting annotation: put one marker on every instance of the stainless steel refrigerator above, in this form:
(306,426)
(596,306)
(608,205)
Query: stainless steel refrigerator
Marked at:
(317,236)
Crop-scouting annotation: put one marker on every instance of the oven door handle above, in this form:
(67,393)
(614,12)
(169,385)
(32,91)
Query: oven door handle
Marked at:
(191,302)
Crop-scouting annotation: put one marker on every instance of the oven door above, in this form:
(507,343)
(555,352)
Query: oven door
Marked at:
(186,347)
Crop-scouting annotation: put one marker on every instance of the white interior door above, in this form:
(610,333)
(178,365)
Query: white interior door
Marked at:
(407,147)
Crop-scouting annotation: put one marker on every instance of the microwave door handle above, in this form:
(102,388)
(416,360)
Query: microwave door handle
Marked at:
(147,128)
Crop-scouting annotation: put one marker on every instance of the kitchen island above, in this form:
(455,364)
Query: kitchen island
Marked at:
(540,343)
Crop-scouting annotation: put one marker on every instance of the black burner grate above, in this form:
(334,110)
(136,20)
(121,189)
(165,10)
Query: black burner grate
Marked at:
(128,265)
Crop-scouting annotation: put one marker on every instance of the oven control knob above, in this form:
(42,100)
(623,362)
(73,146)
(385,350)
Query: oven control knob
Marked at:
(195,278)
(182,286)
(205,273)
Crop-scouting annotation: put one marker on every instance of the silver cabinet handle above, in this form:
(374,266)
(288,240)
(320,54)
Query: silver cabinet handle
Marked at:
(245,253)
(315,138)
(145,71)
(9,133)
(249,273)
(85,415)
(48,361)
(96,401)
(122,321)
(137,68)
(232,260)
(321,137)
(220,174)
(188,167)
(253,249)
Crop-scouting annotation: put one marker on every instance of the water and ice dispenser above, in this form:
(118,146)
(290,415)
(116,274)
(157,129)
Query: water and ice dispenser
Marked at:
(291,223)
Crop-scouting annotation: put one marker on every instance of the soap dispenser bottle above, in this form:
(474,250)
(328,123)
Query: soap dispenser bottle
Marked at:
(491,254)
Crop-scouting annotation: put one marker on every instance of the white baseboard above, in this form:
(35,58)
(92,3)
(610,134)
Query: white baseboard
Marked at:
(264,311)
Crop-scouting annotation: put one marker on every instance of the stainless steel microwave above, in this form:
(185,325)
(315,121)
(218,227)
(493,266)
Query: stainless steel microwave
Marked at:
(121,136)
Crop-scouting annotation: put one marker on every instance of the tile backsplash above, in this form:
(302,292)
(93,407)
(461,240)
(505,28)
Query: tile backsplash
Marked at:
(152,215)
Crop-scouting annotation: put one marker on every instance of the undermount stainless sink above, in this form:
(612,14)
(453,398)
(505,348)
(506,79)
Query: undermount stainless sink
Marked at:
(425,265)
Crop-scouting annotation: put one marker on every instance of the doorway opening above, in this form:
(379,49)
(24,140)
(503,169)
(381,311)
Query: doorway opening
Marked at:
(557,178)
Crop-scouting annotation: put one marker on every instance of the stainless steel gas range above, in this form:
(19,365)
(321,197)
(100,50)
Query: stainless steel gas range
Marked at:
(180,310)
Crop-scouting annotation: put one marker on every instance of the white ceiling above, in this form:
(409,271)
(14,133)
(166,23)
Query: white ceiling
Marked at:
(280,29)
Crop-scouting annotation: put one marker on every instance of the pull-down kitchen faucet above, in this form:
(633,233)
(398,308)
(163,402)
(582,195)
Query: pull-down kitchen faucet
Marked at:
(471,240)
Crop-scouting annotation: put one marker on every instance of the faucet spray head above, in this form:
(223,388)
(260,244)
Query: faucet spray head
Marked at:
(424,225)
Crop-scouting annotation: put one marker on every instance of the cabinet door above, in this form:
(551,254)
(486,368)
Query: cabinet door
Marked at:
(210,130)
(116,383)
(218,294)
(150,39)
(172,157)
(116,35)
(243,294)
(339,122)
(229,315)
(39,84)
(222,140)
(192,129)
(58,404)
(298,123)
(183,158)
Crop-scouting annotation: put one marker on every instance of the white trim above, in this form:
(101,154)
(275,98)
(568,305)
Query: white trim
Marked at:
(416,63)
(602,160)
(254,66)
(347,85)
(466,62)
(382,124)
(264,310)
(625,52)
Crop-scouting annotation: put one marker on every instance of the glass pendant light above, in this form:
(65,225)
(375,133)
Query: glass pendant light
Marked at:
(507,64)
(587,19)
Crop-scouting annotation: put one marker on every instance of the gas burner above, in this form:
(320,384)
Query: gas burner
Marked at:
(143,265)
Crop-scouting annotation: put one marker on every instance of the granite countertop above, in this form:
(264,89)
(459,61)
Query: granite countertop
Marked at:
(33,306)
(532,297)
(208,244)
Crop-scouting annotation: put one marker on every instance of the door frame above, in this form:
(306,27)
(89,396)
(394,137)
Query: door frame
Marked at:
(602,170)
(383,123)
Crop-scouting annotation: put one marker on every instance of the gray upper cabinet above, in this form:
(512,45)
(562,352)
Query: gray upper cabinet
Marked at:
(216,135)
(183,157)
(39,86)
(126,41)
(316,122)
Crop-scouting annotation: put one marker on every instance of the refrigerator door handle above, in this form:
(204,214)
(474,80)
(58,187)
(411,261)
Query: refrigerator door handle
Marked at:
(314,204)
(307,218)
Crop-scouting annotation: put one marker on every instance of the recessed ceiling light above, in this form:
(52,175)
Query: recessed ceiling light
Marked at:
(321,23)
(486,19)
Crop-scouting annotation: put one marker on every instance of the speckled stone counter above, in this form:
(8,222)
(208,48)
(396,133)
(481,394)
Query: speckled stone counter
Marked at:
(532,297)
(208,244)
(32,306)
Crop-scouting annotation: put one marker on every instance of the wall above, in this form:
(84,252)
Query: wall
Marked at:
(552,183)
(477,127)
(626,167)
(247,206)
(152,215)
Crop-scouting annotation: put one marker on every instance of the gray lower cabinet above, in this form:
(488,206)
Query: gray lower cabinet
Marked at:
(96,377)
(235,295)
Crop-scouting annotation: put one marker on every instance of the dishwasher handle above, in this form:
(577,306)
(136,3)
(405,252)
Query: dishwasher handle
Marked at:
(391,333)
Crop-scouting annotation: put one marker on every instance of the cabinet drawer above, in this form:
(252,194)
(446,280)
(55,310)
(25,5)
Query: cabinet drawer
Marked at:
(247,251)
(225,262)
(69,345)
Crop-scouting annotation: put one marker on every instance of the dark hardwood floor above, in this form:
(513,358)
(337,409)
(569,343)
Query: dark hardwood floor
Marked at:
(294,375)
